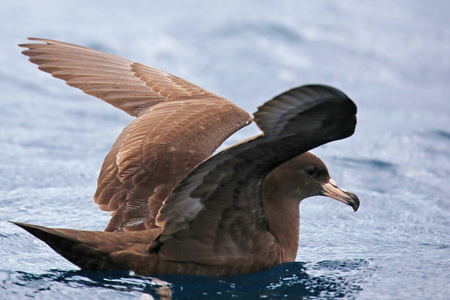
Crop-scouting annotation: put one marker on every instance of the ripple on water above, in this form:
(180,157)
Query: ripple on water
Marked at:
(369,164)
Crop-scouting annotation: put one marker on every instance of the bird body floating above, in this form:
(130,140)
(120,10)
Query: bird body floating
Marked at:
(175,208)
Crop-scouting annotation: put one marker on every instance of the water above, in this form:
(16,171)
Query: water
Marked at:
(391,57)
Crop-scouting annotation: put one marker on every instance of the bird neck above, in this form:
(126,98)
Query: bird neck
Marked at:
(283,217)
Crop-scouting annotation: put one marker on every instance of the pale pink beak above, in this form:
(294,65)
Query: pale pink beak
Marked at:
(330,189)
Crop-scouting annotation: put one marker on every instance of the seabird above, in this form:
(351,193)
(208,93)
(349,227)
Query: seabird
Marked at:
(175,208)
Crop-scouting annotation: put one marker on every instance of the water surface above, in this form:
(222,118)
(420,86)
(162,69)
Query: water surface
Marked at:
(391,57)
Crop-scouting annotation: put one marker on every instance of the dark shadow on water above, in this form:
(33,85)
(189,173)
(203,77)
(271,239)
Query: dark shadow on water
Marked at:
(442,134)
(369,163)
(289,280)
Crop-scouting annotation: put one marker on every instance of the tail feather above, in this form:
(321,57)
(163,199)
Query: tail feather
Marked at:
(89,249)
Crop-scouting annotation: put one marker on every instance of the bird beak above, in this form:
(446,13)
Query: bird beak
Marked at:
(330,189)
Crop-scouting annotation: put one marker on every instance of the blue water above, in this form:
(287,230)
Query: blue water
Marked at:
(391,57)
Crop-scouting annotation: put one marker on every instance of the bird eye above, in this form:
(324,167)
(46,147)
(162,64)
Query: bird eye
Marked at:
(311,171)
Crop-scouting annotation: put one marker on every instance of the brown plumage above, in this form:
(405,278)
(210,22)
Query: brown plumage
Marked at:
(174,208)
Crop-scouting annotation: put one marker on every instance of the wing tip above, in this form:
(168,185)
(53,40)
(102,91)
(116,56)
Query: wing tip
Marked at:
(296,100)
(35,230)
(26,45)
(26,226)
(19,224)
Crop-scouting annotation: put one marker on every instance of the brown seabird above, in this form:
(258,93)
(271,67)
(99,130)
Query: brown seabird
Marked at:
(175,208)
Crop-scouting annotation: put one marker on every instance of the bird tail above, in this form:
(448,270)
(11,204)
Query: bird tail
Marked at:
(88,249)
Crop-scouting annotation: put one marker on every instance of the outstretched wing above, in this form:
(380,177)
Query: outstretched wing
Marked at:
(129,86)
(178,125)
(216,213)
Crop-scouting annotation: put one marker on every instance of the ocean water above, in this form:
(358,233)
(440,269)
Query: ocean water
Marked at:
(391,57)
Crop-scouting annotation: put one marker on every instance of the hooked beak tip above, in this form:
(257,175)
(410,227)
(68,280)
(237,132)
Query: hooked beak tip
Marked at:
(355,203)
(330,189)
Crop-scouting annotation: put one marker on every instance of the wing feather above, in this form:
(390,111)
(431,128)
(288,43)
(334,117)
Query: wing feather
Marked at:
(127,85)
(218,208)
(178,126)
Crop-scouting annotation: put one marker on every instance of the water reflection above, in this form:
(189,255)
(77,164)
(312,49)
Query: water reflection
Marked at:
(328,278)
